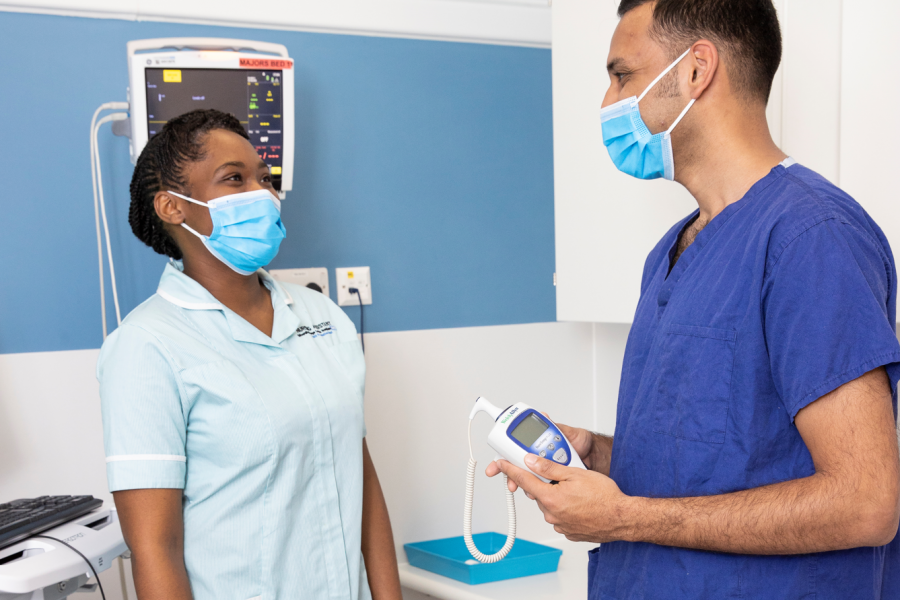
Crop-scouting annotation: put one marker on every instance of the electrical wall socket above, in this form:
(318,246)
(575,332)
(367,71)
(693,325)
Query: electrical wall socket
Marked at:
(350,277)
(311,278)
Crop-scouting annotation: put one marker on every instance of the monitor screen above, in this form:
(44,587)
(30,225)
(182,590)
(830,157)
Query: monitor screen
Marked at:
(530,429)
(254,97)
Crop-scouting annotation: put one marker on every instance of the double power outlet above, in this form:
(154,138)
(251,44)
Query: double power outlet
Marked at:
(345,278)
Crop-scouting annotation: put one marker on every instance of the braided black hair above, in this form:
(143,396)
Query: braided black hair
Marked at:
(161,167)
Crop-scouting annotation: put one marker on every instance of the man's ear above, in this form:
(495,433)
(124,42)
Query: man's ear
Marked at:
(703,61)
(167,208)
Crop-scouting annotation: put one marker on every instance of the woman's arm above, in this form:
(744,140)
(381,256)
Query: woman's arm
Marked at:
(153,527)
(377,538)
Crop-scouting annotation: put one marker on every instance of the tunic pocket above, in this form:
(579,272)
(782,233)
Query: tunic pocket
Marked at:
(695,383)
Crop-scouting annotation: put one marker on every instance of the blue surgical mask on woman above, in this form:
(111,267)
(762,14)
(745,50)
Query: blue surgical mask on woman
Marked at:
(632,147)
(247,229)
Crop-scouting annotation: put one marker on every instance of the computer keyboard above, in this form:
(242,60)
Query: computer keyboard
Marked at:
(23,518)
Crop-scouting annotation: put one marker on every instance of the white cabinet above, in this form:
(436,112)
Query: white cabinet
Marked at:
(833,108)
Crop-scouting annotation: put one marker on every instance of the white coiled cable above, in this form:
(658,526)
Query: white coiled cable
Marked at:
(467,514)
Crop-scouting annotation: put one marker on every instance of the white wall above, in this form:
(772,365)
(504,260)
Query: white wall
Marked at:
(832,108)
(514,22)
(419,390)
(811,96)
(51,438)
(870,119)
(606,221)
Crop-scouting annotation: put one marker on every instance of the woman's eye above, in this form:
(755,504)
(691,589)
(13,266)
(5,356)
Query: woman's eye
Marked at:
(234,177)
(266,178)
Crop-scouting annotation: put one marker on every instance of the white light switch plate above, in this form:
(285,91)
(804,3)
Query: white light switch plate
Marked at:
(317,276)
(348,277)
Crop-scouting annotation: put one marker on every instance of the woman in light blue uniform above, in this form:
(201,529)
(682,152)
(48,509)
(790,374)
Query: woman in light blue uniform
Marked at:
(232,403)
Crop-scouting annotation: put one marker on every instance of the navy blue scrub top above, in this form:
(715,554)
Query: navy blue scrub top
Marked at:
(783,297)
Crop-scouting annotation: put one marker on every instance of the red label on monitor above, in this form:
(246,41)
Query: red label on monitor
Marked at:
(266,63)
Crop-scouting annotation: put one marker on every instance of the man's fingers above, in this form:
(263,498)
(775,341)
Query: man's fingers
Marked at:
(525,480)
(492,469)
(547,468)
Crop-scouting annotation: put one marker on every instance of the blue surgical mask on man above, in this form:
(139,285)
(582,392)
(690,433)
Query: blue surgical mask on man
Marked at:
(632,147)
(247,229)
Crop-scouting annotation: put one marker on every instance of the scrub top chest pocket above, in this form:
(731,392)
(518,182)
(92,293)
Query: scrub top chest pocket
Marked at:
(694,383)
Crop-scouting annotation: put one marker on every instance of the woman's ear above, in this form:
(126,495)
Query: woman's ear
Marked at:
(704,62)
(167,208)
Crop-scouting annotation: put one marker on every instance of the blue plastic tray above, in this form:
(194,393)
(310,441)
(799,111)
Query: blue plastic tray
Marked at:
(450,557)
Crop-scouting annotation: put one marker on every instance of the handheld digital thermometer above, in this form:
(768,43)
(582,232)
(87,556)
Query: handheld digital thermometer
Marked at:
(518,430)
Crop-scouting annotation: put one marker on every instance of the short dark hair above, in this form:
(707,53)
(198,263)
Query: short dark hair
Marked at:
(161,167)
(746,31)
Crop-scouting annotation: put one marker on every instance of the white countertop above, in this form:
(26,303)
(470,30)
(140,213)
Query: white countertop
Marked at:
(567,583)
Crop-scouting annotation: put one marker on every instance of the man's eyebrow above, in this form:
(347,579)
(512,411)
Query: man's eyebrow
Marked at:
(616,64)
(234,163)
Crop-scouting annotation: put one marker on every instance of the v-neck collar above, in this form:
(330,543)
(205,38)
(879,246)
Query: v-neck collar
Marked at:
(671,278)
(182,291)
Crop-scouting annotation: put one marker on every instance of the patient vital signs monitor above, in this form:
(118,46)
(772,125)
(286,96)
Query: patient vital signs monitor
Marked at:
(254,81)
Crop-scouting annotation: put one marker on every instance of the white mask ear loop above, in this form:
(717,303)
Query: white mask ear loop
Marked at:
(188,227)
(185,225)
(188,199)
(681,116)
(663,74)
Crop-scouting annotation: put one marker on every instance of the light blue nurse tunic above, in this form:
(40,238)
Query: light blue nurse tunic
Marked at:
(263,434)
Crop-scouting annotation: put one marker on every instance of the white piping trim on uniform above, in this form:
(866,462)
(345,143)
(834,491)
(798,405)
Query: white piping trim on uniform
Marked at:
(127,457)
(189,305)
(255,598)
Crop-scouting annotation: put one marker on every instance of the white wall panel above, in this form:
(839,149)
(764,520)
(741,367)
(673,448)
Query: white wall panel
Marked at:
(870,119)
(514,22)
(606,222)
(811,113)
(609,352)
(774,108)
(51,438)
(419,391)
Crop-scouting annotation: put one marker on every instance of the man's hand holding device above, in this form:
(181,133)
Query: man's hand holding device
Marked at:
(584,505)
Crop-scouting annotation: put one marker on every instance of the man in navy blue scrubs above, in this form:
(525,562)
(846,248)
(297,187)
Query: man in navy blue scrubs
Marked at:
(755,452)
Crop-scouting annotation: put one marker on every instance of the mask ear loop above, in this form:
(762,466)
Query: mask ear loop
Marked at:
(188,199)
(664,73)
(681,116)
(189,228)
(185,225)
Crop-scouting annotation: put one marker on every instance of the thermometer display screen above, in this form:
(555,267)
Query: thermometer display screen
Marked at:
(530,429)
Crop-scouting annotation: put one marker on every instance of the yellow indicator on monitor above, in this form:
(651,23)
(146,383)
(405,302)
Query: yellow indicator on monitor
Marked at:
(172,75)
(275,170)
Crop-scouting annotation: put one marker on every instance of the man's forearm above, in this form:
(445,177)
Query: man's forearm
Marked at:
(814,514)
(601,453)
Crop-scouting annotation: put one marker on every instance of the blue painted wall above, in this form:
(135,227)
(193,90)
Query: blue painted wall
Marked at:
(430,162)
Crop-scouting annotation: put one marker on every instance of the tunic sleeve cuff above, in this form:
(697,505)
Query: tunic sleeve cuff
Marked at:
(145,471)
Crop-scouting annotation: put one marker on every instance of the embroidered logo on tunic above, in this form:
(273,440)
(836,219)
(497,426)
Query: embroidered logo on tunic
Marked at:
(315,331)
